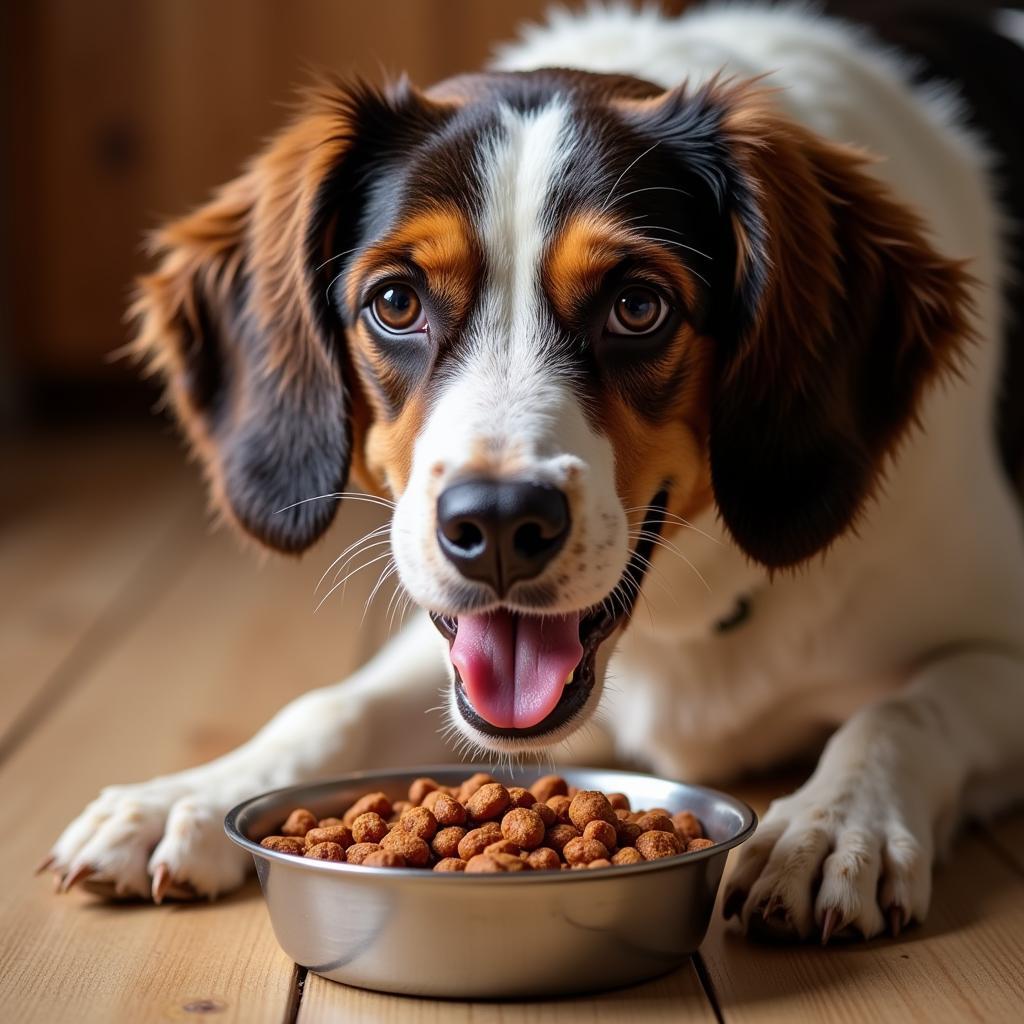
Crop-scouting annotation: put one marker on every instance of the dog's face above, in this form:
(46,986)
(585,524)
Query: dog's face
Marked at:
(551,315)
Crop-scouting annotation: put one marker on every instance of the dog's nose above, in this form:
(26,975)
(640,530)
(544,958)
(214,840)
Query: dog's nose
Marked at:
(501,531)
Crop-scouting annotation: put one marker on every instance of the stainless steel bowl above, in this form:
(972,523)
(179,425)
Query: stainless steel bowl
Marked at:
(426,933)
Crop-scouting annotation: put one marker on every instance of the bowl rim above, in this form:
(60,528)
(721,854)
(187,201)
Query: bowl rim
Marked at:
(747,817)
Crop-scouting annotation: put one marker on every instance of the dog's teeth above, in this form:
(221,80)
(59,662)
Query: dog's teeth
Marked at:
(569,678)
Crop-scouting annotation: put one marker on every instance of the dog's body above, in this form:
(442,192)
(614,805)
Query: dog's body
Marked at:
(903,630)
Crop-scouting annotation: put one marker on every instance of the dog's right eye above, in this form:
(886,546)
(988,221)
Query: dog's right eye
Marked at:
(398,310)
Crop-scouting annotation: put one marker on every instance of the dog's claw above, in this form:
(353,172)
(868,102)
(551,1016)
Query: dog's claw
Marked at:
(161,882)
(44,864)
(80,873)
(733,903)
(828,925)
(895,920)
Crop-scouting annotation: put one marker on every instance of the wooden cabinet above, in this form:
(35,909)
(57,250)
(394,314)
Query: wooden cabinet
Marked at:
(123,112)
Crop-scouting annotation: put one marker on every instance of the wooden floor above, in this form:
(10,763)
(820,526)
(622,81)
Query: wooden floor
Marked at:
(133,641)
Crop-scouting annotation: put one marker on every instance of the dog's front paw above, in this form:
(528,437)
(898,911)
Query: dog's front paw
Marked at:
(152,840)
(832,859)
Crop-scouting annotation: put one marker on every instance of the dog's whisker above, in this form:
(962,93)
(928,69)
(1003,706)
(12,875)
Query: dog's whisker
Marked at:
(371,499)
(380,530)
(355,554)
(347,252)
(341,583)
(671,517)
(389,570)
(628,168)
(681,245)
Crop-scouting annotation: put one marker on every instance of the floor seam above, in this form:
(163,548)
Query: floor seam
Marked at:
(704,977)
(299,976)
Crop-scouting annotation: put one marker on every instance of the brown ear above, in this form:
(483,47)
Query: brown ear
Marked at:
(829,310)
(843,314)
(237,320)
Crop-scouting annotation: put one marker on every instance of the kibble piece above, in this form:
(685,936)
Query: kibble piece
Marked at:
(627,833)
(655,845)
(558,835)
(627,855)
(519,797)
(488,862)
(523,827)
(446,843)
(590,805)
(698,844)
(687,826)
(583,851)
(384,859)
(543,859)
(399,807)
(490,801)
(623,813)
(340,834)
(420,822)
(447,810)
(503,846)
(473,783)
(548,786)
(619,801)
(369,828)
(476,841)
(602,832)
(285,844)
(430,800)
(601,862)
(412,848)
(560,805)
(450,864)
(357,853)
(545,813)
(419,788)
(377,803)
(328,822)
(325,851)
(655,821)
(299,822)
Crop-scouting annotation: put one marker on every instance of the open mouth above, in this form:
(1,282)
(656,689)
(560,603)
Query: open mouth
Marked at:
(521,675)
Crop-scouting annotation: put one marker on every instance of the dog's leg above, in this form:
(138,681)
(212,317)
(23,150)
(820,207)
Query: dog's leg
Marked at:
(853,848)
(166,835)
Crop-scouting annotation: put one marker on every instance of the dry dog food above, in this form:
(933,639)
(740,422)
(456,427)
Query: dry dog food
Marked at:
(482,826)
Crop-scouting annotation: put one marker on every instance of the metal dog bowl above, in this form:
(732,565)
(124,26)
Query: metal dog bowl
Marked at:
(425,933)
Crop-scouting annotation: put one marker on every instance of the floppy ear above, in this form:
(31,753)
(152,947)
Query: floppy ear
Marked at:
(835,315)
(237,321)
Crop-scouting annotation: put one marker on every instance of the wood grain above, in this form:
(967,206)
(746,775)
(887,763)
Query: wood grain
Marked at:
(221,641)
(73,537)
(225,644)
(962,964)
(678,997)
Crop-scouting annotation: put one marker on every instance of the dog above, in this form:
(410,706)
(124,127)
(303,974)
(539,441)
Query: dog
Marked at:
(675,348)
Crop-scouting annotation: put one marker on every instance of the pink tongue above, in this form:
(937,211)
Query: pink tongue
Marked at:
(515,666)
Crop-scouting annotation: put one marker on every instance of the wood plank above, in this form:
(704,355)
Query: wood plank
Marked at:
(678,997)
(962,964)
(79,519)
(226,643)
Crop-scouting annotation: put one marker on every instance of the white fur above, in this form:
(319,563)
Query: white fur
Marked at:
(907,637)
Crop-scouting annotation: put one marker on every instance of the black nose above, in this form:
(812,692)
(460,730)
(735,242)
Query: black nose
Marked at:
(501,531)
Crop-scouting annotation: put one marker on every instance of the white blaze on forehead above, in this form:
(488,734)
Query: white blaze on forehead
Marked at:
(518,166)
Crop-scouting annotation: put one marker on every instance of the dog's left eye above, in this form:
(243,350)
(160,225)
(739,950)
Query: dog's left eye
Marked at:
(398,310)
(636,310)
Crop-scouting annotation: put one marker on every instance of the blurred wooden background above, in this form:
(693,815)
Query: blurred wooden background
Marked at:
(123,112)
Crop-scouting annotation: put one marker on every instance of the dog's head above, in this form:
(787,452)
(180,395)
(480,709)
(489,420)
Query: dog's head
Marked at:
(550,314)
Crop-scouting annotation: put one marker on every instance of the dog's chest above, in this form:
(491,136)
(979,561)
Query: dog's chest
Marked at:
(762,682)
